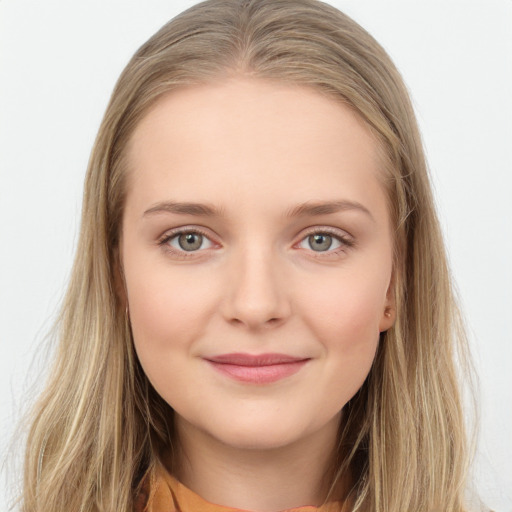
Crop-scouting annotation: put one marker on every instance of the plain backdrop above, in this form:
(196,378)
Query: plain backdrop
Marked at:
(59,61)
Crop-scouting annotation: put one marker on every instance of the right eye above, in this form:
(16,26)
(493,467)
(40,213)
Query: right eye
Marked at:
(186,241)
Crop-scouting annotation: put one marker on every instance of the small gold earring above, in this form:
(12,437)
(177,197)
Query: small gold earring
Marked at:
(387,313)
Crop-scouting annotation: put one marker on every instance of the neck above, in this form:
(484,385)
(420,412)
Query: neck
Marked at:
(263,480)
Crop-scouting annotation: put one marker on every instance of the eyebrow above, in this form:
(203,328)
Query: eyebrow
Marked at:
(301,210)
(327,207)
(198,209)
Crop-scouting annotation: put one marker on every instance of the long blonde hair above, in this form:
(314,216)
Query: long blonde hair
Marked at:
(99,426)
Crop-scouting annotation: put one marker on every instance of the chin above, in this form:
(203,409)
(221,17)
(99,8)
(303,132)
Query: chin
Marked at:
(251,439)
(261,432)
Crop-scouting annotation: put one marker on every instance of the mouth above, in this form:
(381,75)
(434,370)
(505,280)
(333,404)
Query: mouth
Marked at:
(257,369)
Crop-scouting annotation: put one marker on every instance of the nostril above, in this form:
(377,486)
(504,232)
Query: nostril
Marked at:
(271,322)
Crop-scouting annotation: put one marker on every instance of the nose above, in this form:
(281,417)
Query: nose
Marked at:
(256,294)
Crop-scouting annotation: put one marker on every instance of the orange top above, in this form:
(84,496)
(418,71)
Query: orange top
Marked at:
(169,495)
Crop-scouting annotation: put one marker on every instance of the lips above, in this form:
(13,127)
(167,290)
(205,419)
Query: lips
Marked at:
(257,369)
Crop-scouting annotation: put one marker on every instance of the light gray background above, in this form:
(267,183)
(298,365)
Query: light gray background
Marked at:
(58,63)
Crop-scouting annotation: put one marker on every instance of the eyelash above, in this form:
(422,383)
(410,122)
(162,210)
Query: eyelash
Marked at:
(346,241)
(163,242)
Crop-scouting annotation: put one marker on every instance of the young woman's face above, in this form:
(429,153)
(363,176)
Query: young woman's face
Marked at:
(257,255)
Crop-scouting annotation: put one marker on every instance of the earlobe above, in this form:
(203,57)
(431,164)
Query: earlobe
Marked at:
(388,318)
(389,314)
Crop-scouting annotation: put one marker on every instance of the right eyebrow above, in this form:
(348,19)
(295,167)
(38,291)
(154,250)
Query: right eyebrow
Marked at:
(188,208)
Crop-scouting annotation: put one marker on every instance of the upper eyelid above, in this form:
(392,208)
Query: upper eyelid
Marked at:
(326,229)
(171,233)
(338,233)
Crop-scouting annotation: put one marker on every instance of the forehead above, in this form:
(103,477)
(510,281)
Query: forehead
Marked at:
(243,140)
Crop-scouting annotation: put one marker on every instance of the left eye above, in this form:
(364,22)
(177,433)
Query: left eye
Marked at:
(189,241)
(321,242)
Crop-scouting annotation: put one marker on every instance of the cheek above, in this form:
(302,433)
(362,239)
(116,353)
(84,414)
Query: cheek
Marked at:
(344,316)
(348,309)
(167,312)
(348,330)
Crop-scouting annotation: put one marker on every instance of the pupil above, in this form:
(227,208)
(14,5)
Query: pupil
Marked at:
(190,241)
(320,242)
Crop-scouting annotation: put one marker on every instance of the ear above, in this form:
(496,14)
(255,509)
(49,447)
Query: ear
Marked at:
(388,317)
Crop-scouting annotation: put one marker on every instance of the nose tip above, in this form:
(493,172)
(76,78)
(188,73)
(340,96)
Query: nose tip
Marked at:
(256,316)
(256,296)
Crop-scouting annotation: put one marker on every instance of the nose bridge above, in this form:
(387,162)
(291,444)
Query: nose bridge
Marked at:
(255,292)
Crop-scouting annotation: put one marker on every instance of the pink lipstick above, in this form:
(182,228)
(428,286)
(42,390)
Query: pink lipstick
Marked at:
(257,369)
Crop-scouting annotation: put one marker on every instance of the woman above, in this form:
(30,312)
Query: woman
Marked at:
(331,378)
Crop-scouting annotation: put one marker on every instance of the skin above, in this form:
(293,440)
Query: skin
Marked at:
(257,283)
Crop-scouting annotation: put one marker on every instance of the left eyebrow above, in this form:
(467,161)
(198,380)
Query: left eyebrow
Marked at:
(326,208)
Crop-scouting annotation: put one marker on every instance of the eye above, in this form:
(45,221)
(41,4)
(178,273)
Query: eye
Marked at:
(186,241)
(325,241)
(321,242)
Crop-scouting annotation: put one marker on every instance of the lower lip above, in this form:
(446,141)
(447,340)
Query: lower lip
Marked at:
(259,374)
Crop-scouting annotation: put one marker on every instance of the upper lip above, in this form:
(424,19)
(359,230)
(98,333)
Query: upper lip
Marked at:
(240,359)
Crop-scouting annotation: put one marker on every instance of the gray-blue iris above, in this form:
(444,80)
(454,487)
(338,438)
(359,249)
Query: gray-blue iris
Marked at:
(320,242)
(190,241)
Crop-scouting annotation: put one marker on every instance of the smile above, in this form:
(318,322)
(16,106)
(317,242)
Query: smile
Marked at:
(257,369)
